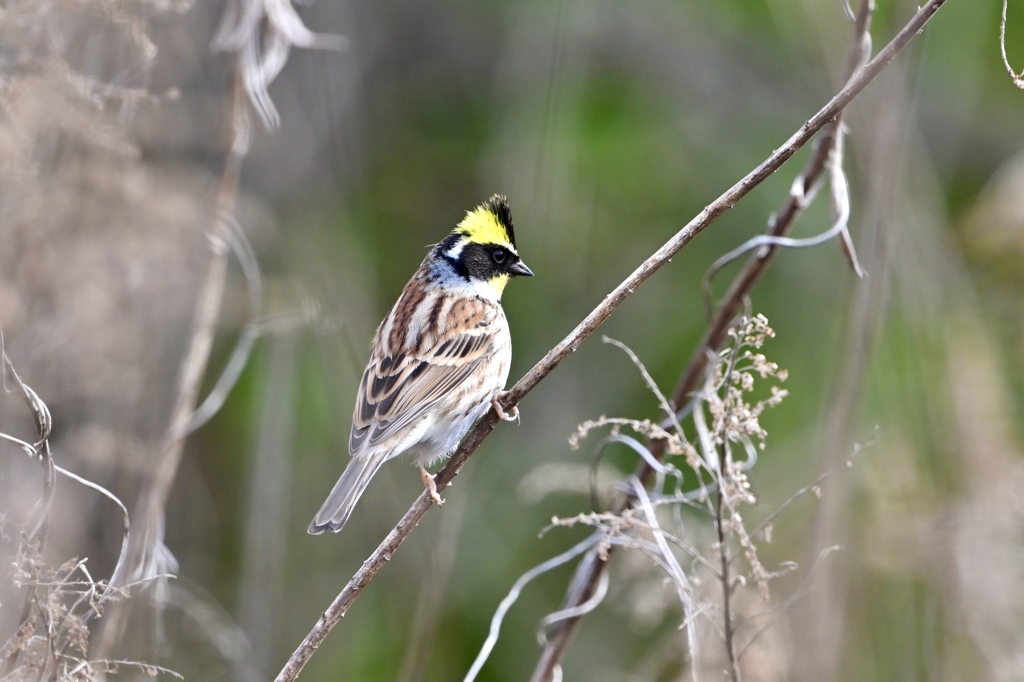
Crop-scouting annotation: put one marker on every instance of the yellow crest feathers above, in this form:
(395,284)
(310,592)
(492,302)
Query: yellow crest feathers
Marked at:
(489,223)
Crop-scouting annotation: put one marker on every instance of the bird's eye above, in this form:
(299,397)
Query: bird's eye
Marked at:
(499,255)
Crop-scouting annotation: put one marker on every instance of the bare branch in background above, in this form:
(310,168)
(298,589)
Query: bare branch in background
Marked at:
(262,33)
(236,240)
(514,593)
(39,450)
(1017,78)
(148,555)
(827,116)
(840,201)
(36,537)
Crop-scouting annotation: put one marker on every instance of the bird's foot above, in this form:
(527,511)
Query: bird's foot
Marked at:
(431,486)
(502,414)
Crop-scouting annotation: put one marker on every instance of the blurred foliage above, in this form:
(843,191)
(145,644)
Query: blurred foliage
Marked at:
(608,125)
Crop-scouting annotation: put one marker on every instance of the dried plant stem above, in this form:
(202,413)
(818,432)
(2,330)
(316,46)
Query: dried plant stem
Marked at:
(153,498)
(584,329)
(726,581)
(1017,78)
(41,449)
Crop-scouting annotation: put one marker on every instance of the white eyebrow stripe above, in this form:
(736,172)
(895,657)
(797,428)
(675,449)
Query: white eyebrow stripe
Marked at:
(456,250)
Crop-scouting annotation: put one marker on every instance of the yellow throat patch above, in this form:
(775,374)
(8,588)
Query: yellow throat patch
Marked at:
(498,282)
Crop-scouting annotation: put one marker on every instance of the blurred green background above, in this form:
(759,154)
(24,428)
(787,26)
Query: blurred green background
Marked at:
(608,126)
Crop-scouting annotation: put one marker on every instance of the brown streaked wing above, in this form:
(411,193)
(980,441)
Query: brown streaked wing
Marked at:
(397,390)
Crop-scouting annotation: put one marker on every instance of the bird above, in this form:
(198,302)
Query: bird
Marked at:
(438,361)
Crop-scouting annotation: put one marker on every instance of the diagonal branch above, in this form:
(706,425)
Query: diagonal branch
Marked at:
(380,556)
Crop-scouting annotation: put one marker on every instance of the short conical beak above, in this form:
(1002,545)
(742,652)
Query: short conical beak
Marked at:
(520,269)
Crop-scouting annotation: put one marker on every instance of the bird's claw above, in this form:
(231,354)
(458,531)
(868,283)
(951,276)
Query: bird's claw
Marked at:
(431,486)
(500,411)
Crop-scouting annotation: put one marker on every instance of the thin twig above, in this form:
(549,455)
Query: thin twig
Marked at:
(802,199)
(1017,78)
(723,577)
(724,557)
(41,451)
(238,243)
(513,595)
(261,33)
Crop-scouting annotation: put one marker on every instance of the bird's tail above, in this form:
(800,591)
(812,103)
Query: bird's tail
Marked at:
(347,491)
